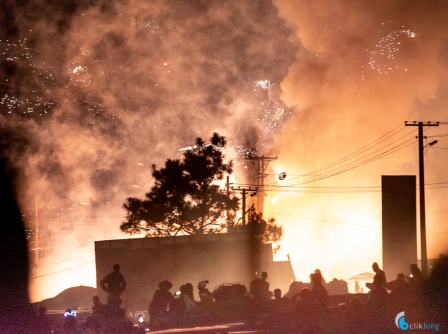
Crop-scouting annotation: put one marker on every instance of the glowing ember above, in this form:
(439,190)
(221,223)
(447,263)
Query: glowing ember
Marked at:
(80,69)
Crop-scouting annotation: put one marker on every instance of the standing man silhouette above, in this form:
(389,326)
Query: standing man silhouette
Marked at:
(114,284)
(259,287)
(379,280)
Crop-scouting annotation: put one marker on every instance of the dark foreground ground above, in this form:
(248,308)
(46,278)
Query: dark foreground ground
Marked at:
(353,313)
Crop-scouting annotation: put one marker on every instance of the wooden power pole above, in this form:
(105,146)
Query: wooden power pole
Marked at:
(424,256)
(260,164)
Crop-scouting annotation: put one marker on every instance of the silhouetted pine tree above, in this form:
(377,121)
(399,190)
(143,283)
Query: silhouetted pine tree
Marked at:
(185,198)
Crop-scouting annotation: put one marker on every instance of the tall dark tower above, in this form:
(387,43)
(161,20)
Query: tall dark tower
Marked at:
(399,217)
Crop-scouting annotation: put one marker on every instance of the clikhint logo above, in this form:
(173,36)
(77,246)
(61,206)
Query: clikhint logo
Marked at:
(401,322)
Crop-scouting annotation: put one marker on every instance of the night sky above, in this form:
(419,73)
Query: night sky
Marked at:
(94,92)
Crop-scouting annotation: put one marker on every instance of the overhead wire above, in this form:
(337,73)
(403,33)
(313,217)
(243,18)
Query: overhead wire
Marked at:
(313,176)
(342,223)
(354,164)
(434,136)
(354,154)
(363,149)
(64,270)
(354,189)
(323,220)
(358,163)
(351,165)
(57,262)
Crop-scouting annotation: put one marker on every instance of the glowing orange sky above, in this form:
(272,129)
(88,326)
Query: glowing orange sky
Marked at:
(344,104)
(132,83)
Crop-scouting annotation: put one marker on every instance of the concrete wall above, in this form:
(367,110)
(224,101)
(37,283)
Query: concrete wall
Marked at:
(219,258)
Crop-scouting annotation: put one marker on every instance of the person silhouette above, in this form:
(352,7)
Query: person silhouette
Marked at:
(379,280)
(416,284)
(318,292)
(399,290)
(317,271)
(277,294)
(162,302)
(259,287)
(70,325)
(97,320)
(416,280)
(378,289)
(357,287)
(42,324)
(114,284)
(204,294)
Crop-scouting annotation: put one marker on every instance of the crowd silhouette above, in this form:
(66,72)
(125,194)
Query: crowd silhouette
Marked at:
(305,308)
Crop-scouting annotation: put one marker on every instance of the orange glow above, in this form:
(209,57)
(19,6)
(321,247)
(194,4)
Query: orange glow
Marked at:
(331,240)
(47,280)
(331,73)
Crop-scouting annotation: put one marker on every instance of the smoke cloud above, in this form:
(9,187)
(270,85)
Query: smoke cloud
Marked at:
(94,92)
(365,68)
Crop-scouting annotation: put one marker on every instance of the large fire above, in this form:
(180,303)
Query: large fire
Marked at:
(93,95)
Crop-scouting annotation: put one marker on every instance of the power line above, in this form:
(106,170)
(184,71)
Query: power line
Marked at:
(435,136)
(436,232)
(315,176)
(316,191)
(356,153)
(367,159)
(47,264)
(356,164)
(43,293)
(354,189)
(308,187)
(312,177)
(363,149)
(342,223)
(105,220)
(64,270)
(80,222)
(326,221)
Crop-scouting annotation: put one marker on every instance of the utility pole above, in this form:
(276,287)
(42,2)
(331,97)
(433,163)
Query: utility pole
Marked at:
(260,164)
(228,218)
(253,249)
(244,193)
(424,256)
(36,232)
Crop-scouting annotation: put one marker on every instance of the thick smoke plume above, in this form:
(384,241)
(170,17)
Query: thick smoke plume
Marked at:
(94,92)
(365,68)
